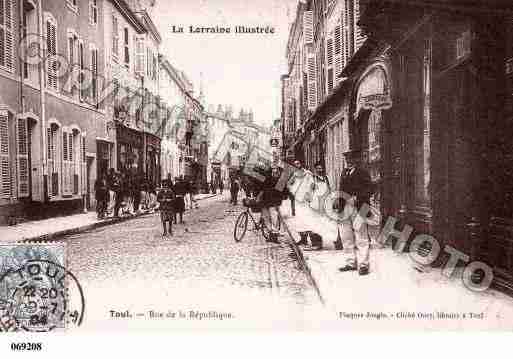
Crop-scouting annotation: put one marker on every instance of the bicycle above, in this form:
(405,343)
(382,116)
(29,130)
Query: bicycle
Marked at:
(241,224)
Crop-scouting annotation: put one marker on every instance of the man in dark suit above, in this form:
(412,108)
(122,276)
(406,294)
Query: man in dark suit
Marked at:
(355,183)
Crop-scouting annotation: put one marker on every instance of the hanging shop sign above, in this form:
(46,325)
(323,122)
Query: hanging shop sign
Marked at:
(373,91)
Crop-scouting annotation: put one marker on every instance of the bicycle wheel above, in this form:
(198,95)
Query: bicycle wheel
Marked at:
(241,225)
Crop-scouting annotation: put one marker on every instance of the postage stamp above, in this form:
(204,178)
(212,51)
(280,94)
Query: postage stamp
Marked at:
(37,292)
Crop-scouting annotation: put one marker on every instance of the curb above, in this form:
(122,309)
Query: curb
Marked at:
(66,232)
(51,236)
(302,261)
(210,196)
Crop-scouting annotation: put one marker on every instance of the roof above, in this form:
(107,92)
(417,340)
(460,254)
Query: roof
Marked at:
(150,25)
(129,15)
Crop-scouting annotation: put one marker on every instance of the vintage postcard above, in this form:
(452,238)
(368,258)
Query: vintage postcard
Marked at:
(294,165)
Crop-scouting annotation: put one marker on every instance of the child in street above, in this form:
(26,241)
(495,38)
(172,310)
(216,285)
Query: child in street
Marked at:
(166,199)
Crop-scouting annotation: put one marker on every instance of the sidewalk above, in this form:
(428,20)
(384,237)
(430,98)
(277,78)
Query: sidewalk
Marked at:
(48,229)
(393,286)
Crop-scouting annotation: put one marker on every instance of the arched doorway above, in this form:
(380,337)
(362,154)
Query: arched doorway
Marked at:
(372,99)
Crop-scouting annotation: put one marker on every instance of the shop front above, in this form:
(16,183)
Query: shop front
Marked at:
(371,101)
(129,149)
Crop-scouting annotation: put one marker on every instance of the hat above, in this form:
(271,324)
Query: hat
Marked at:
(352,153)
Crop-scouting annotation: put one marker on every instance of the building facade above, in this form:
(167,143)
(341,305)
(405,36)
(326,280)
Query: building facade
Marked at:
(322,39)
(49,117)
(424,93)
(186,141)
(122,147)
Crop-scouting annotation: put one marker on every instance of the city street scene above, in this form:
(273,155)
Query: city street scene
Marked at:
(326,165)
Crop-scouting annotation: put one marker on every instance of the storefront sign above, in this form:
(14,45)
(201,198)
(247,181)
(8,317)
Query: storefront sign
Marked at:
(376,102)
(373,91)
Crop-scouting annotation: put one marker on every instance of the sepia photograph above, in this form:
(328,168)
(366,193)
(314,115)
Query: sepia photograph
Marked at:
(273,165)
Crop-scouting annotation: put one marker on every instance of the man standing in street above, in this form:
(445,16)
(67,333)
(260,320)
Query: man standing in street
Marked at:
(234,190)
(356,183)
(221,185)
(298,169)
(180,193)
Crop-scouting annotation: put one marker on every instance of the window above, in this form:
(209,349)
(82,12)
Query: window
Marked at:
(54,161)
(115,37)
(148,62)
(94,71)
(463,44)
(72,48)
(139,55)
(93,12)
(127,50)
(71,167)
(6,34)
(154,67)
(72,5)
(81,62)
(51,45)
(73,54)
(29,26)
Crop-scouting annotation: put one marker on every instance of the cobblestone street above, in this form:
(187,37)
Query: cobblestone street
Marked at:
(130,266)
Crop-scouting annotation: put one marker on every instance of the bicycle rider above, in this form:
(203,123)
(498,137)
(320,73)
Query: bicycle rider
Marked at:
(270,198)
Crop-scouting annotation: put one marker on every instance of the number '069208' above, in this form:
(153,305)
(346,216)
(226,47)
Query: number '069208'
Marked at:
(26,346)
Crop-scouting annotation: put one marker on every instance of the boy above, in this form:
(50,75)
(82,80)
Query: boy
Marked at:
(166,198)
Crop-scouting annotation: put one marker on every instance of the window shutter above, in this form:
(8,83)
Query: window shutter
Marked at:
(23,160)
(76,162)
(329,61)
(83,167)
(359,37)
(84,91)
(139,66)
(148,61)
(6,34)
(71,163)
(308,26)
(5,172)
(346,46)
(115,36)
(49,142)
(91,12)
(52,50)
(338,66)
(312,82)
(66,155)
(329,52)
(94,70)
